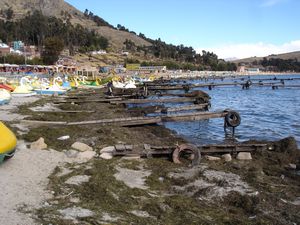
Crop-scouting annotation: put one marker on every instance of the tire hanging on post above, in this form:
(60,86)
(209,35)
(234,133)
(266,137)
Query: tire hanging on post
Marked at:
(232,119)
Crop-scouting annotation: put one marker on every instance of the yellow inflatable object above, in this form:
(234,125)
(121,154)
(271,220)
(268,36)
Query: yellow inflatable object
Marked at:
(8,142)
(116,78)
(152,78)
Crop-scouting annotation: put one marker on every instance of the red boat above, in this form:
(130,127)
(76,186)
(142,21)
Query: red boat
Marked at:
(6,87)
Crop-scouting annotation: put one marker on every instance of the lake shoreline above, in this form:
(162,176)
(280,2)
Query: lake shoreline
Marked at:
(142,191)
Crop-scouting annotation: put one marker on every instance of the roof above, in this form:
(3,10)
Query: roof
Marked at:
(2,45)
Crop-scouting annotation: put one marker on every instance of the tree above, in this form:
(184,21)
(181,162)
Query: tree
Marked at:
(53,47)
(86,13)
(9,13)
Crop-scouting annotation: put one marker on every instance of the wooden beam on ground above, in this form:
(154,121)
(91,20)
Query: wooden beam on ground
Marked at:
(134,121)
(130,121)
(40,122)
(149,150)
(88,100)
(64,111)
(159,100)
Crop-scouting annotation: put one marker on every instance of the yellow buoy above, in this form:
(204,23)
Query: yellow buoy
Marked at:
(8,142)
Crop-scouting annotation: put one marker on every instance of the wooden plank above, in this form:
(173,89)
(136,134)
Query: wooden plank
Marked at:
(39,122)
(205,149)
(191,86)
(232,148)
(193,116)
(159,100)
(52,111)
(189,107)
(89,100)
(121,121)
(133,121)
(287,86)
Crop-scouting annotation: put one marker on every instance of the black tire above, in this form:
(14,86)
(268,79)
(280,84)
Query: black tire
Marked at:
(199,101)
(158,93)
(192,150)
(233,119)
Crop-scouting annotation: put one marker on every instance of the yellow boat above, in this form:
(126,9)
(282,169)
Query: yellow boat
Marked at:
(8,142)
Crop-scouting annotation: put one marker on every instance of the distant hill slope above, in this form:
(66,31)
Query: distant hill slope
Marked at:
(59,8)
(285,56)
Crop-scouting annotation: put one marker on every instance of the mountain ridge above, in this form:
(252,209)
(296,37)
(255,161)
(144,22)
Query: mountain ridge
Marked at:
(285,56)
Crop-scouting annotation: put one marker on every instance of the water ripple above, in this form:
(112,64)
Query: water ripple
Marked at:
(266,114)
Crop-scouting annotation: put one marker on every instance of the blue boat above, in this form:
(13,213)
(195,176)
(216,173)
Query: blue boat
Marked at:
(49,92)
(4,101)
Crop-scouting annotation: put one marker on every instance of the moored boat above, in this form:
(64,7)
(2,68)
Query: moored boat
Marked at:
(22,91)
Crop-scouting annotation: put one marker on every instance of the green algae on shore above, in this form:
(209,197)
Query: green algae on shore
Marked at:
(175,194)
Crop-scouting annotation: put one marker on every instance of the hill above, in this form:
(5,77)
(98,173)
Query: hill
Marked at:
(63,10)
(284,56)
(50,25)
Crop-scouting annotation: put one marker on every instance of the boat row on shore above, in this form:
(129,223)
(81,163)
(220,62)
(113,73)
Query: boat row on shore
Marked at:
(29,86)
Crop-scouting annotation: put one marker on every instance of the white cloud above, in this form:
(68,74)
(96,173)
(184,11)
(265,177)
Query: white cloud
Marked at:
(252,49)
(269,3)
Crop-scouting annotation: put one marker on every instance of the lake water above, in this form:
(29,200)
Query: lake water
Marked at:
(266,114)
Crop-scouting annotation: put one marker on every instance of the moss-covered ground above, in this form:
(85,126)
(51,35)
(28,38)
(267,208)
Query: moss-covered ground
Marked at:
(276,186)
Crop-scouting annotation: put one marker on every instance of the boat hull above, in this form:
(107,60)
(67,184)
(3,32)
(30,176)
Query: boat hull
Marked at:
(4,101)
(8,142)
(50,92)
(23,94)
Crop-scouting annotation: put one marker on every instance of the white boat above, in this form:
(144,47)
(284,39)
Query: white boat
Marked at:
(125,85)
(54,89)
(22,91)
(5,96)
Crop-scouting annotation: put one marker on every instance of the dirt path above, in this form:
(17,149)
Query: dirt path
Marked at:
(23,182)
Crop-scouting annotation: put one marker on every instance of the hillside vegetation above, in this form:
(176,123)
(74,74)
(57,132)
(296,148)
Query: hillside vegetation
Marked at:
(35,21)
(278,63)
(285,56)
(62,10)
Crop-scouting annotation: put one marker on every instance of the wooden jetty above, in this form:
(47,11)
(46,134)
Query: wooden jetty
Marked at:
(158,100)
(135,121)
(64,111)
(103,100)
(162,109)
(131,101)
(209,85)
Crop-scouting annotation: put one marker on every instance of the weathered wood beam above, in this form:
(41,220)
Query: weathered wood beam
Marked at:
(63,111)
(88,100)
(134,121)
(159,100)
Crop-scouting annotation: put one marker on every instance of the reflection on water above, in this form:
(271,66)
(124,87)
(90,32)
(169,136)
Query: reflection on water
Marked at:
(266,114)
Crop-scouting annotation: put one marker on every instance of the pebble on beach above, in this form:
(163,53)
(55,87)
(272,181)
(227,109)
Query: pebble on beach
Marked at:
(244,156)
(212,158)
(39,144)
(81,147)
(227,157)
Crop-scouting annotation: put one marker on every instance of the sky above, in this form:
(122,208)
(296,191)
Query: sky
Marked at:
(229,28)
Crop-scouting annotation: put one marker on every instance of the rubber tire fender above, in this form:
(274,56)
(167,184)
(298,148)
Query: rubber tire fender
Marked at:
(233,119)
